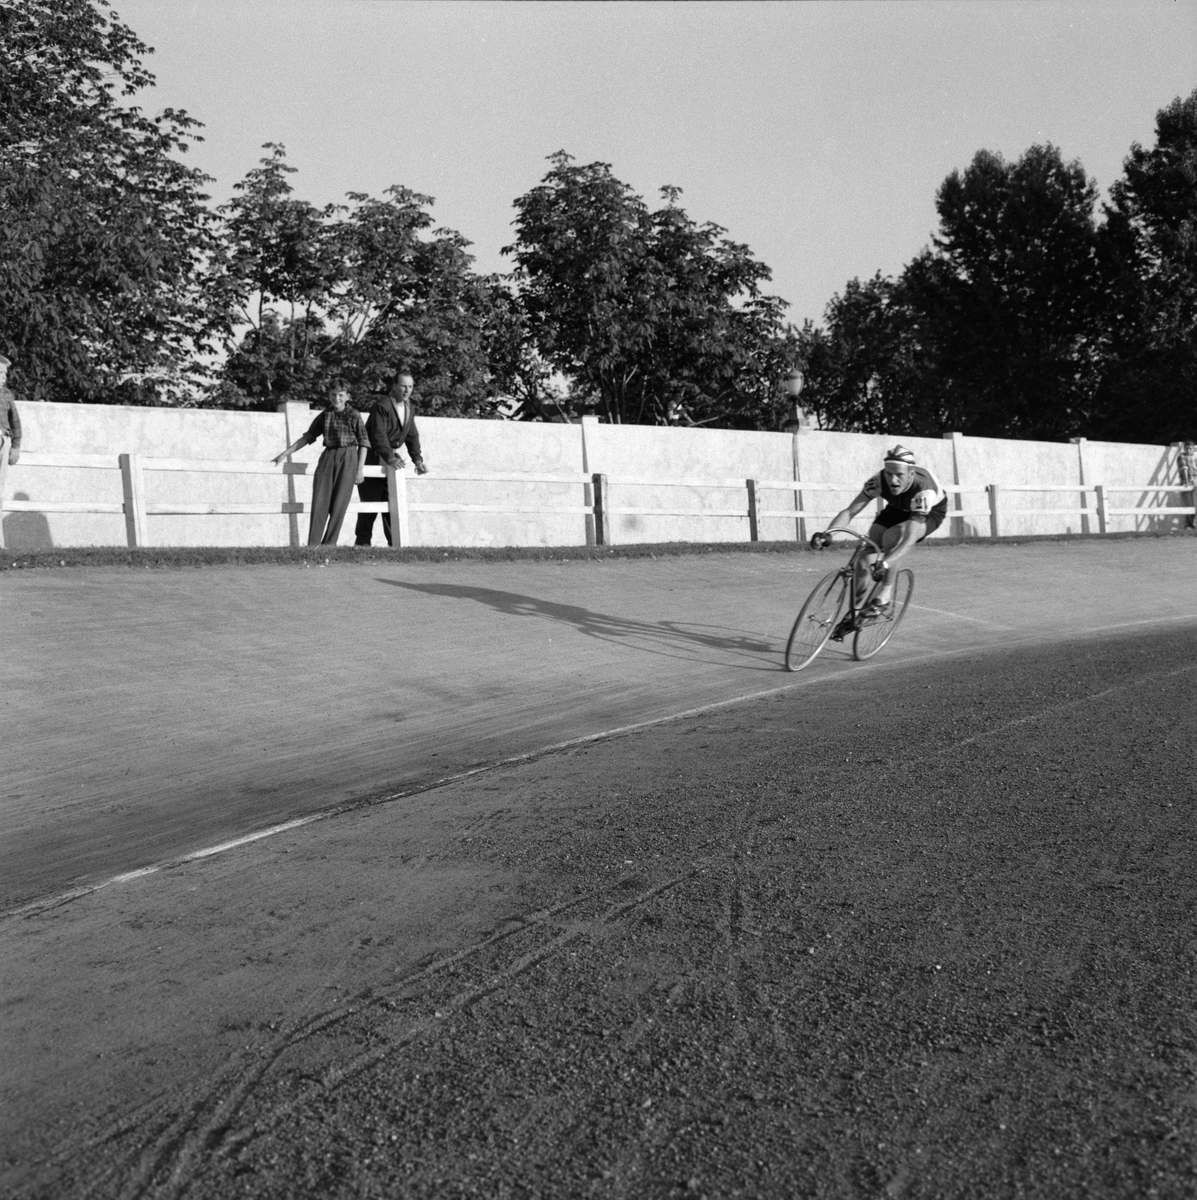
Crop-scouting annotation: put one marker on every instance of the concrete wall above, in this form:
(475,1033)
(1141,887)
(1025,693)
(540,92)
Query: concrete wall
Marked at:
(496,447)
(639,462)
(111,430)
(647,452)
(1121,466)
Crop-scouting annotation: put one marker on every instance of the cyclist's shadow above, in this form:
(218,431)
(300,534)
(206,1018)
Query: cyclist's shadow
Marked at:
(674,639)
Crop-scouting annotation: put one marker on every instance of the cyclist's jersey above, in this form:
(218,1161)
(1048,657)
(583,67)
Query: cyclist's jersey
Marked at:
(921,497)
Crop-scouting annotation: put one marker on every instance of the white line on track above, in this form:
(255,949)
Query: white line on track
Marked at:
(1074,703)
(1145,621)
(961,617)
(896,663)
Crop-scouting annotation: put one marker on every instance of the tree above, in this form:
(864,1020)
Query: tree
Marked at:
(1000,329)
(280,251)
(106,236)
(866,370)
(649,311)
(1018,301)
(519,373)
(1150,393)
(354,291)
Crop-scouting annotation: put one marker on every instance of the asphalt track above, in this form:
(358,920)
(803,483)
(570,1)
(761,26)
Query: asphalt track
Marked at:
(915,927)
(151,715)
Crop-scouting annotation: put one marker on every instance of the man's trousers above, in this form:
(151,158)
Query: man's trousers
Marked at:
(332,490)
(373,491)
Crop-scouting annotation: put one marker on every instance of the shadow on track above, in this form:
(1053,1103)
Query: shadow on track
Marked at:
(671,638)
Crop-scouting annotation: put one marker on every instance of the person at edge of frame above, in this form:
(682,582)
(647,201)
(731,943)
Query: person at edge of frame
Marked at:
(339,468)
(391,426)
(10,420)
(1186,460)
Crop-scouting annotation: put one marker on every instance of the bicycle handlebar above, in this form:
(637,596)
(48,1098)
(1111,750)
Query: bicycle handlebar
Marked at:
(860,537)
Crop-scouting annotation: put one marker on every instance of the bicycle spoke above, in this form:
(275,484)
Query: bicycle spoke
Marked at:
(816,621)
(874,632)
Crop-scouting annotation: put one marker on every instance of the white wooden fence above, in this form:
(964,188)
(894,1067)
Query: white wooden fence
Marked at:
(597,493)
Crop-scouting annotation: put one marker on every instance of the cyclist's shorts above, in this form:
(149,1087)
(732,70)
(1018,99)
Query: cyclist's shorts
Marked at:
(892,515)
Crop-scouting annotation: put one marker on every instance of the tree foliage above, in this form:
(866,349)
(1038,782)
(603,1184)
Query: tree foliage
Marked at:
(866,369)
(1030,316)
(1017,295)
(353,291)
(650,311)
(106,235)
(1150,392)
(999,329)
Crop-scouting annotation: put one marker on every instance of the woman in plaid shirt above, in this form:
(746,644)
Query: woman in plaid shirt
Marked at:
(339,467)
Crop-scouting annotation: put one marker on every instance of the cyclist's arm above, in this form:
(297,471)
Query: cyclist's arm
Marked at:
(853,510)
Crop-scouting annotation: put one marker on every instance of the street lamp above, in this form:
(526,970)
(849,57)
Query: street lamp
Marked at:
(792,386)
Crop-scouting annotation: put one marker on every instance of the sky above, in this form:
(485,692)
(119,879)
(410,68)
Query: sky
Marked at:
(817,133)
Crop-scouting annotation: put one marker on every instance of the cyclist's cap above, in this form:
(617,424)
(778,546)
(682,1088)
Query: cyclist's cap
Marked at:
(900,454)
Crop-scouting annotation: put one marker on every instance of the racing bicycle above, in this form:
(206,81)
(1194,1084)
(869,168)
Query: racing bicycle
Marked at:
(833,611)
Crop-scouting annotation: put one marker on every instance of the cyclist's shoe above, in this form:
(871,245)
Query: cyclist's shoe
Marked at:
(844,628)
(875,610)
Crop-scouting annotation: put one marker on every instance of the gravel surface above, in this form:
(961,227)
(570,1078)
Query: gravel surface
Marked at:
(927,933)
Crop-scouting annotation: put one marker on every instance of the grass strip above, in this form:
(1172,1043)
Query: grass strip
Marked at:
(180,557)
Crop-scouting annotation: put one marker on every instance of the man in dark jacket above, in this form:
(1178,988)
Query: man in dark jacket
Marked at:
(390,427)
(10,422)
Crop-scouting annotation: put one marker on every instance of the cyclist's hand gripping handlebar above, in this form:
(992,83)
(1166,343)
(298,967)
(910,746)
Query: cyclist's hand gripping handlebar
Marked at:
(820,541)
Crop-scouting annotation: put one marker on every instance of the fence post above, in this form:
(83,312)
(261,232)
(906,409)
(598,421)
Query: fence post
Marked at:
(588,519)
(1102,513)
(297,416)
(602,520)
(754,511)
(956,528)
(799,522)
(592,539)
(133,481)
(397,506)
(995,514)
(1080,443)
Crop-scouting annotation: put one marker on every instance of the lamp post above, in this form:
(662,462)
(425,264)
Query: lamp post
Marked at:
(792,386)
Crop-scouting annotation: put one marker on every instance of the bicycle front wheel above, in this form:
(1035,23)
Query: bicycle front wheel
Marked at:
(816,620)
(871,636)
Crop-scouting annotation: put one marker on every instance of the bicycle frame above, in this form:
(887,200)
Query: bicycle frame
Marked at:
(848,570)
(820,618)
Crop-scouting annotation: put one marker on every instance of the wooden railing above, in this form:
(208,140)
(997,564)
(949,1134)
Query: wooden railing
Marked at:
(597,492)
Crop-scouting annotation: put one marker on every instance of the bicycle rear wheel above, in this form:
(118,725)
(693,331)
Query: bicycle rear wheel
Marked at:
(816,620)
(878,630)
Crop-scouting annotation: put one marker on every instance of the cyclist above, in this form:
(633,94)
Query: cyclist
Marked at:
(915,506)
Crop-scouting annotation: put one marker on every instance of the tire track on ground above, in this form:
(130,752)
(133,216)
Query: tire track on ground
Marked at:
(226,1078)
(206,1129)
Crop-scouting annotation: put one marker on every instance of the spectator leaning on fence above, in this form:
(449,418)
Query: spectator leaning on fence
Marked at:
(1187,462)
(391,426)
(10,422)
(339,468)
